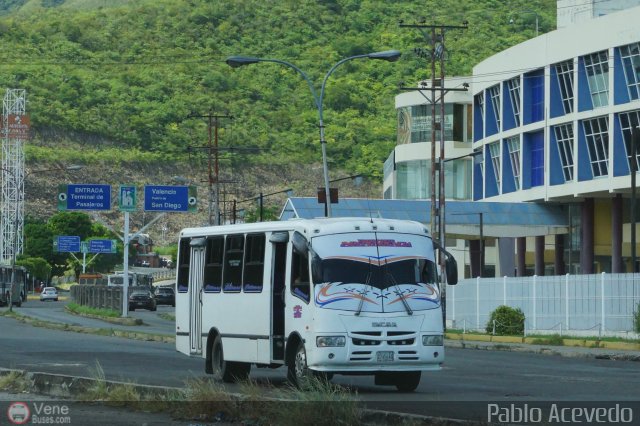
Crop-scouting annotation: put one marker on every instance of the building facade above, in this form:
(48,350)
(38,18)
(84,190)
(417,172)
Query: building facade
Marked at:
(553,118)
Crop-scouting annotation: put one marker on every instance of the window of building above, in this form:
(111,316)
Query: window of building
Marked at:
(564,72)
(597,69)
(494,151)
(597,136)
(536,147)
(514,97)
(533,96)
(412,180)
(233,259)
(457,179)
(213,265)
(494,96)
(254,263)
(630,55)
(629,120)
(513,145)
(564,141)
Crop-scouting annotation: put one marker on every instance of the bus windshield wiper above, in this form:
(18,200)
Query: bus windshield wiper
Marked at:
(366,290)
(398,290)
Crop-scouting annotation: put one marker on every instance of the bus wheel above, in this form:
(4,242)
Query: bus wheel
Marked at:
(298,370)
(227,371)
(407,381)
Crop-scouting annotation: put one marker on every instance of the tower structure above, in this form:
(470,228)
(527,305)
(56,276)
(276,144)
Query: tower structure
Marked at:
(15,129)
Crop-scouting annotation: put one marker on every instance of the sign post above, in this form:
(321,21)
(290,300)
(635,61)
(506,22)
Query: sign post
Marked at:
(84,197)
(162,198)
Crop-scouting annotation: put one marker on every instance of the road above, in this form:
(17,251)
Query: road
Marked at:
(468,375)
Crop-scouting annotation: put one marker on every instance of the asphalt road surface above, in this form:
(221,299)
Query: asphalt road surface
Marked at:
(468,377)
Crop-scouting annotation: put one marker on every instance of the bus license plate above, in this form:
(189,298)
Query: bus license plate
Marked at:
(384,356)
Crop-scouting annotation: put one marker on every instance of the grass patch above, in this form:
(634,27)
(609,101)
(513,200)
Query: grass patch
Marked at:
(14,382)
(552,340)
(167,316)
(86,310)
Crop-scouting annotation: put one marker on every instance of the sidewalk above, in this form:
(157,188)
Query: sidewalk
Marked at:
(576,348)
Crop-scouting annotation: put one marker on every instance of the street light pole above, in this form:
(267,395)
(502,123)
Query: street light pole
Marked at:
(527,11)
(635,134)
(389,55)
(260,199)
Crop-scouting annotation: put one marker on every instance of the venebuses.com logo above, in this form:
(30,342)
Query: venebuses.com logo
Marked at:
(19,413)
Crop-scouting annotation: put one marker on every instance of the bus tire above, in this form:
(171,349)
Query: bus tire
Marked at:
(227,371)
(407,381)
(297,370)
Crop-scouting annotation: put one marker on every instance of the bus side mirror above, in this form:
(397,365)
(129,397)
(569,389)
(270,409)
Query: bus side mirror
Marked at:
(451,268)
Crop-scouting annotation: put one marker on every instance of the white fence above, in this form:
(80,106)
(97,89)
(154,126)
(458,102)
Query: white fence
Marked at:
(577,305)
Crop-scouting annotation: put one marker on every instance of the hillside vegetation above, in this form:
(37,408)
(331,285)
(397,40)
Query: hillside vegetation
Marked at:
(122,82)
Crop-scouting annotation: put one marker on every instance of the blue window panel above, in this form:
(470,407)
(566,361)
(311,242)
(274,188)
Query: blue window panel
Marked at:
(508,118)
(490,185)
(533,97)
(491,124)
(555,103)
(620,159)
(620,90)
(478,130)
(508,180)
(584,162)
(477,182)
(584,95)
(556,176)
(533,160)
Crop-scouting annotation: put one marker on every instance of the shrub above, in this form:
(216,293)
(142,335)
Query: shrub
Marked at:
(508,321)
(636,319)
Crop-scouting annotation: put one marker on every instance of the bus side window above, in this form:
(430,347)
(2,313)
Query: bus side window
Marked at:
(183,265)
(233,259)
(300,283)
(213,267)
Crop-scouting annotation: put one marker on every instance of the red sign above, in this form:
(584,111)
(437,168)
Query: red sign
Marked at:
(18,127)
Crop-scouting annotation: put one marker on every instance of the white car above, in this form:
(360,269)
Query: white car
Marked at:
(49,293)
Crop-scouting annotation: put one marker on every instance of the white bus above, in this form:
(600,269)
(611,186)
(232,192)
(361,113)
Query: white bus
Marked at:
(321,297)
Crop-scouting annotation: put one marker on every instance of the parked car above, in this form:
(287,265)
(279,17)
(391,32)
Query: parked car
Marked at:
(165,296)
(145,263)
(142,299)
(49,293)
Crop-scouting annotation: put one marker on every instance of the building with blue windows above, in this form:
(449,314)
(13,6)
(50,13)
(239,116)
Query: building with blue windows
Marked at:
(553,119)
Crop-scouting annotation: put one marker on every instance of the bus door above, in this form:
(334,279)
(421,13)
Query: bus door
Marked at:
(196,277)
(278,275)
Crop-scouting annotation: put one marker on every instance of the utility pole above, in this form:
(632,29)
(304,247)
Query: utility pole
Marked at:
(436,53)
(213,164)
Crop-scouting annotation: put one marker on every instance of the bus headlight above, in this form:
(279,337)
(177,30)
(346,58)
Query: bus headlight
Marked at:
(330,341)
(432,340)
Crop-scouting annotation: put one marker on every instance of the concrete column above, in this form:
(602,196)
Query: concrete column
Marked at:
(539,265)
(507,256)
(474,254)
(558,264)
(616,235)
(521,248)
(586,248)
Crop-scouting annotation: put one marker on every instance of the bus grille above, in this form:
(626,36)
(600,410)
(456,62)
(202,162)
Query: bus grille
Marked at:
(379,339)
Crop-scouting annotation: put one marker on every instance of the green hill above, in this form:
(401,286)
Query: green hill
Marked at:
(120,79)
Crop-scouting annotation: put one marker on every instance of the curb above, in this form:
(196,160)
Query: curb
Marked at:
(568,342)
(70,387)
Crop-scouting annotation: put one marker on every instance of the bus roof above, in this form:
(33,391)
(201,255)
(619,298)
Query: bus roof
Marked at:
(316,226)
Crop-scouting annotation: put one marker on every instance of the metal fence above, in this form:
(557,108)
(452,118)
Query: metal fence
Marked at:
(98,296)
(579,305)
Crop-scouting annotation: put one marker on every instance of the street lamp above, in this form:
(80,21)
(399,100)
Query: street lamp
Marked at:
(511,20)
(388,55)
(261,197)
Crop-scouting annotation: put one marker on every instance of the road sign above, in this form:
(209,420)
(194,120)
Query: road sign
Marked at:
(67,243)
(84,197)
(127,199)
(102,246)
(170,198)
(17,126)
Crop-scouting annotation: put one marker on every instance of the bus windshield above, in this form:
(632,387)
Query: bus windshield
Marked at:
(377,272)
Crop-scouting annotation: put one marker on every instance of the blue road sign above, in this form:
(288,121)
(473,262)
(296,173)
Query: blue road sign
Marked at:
(102,246)
(169,198)
(67,243)
(84,197)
